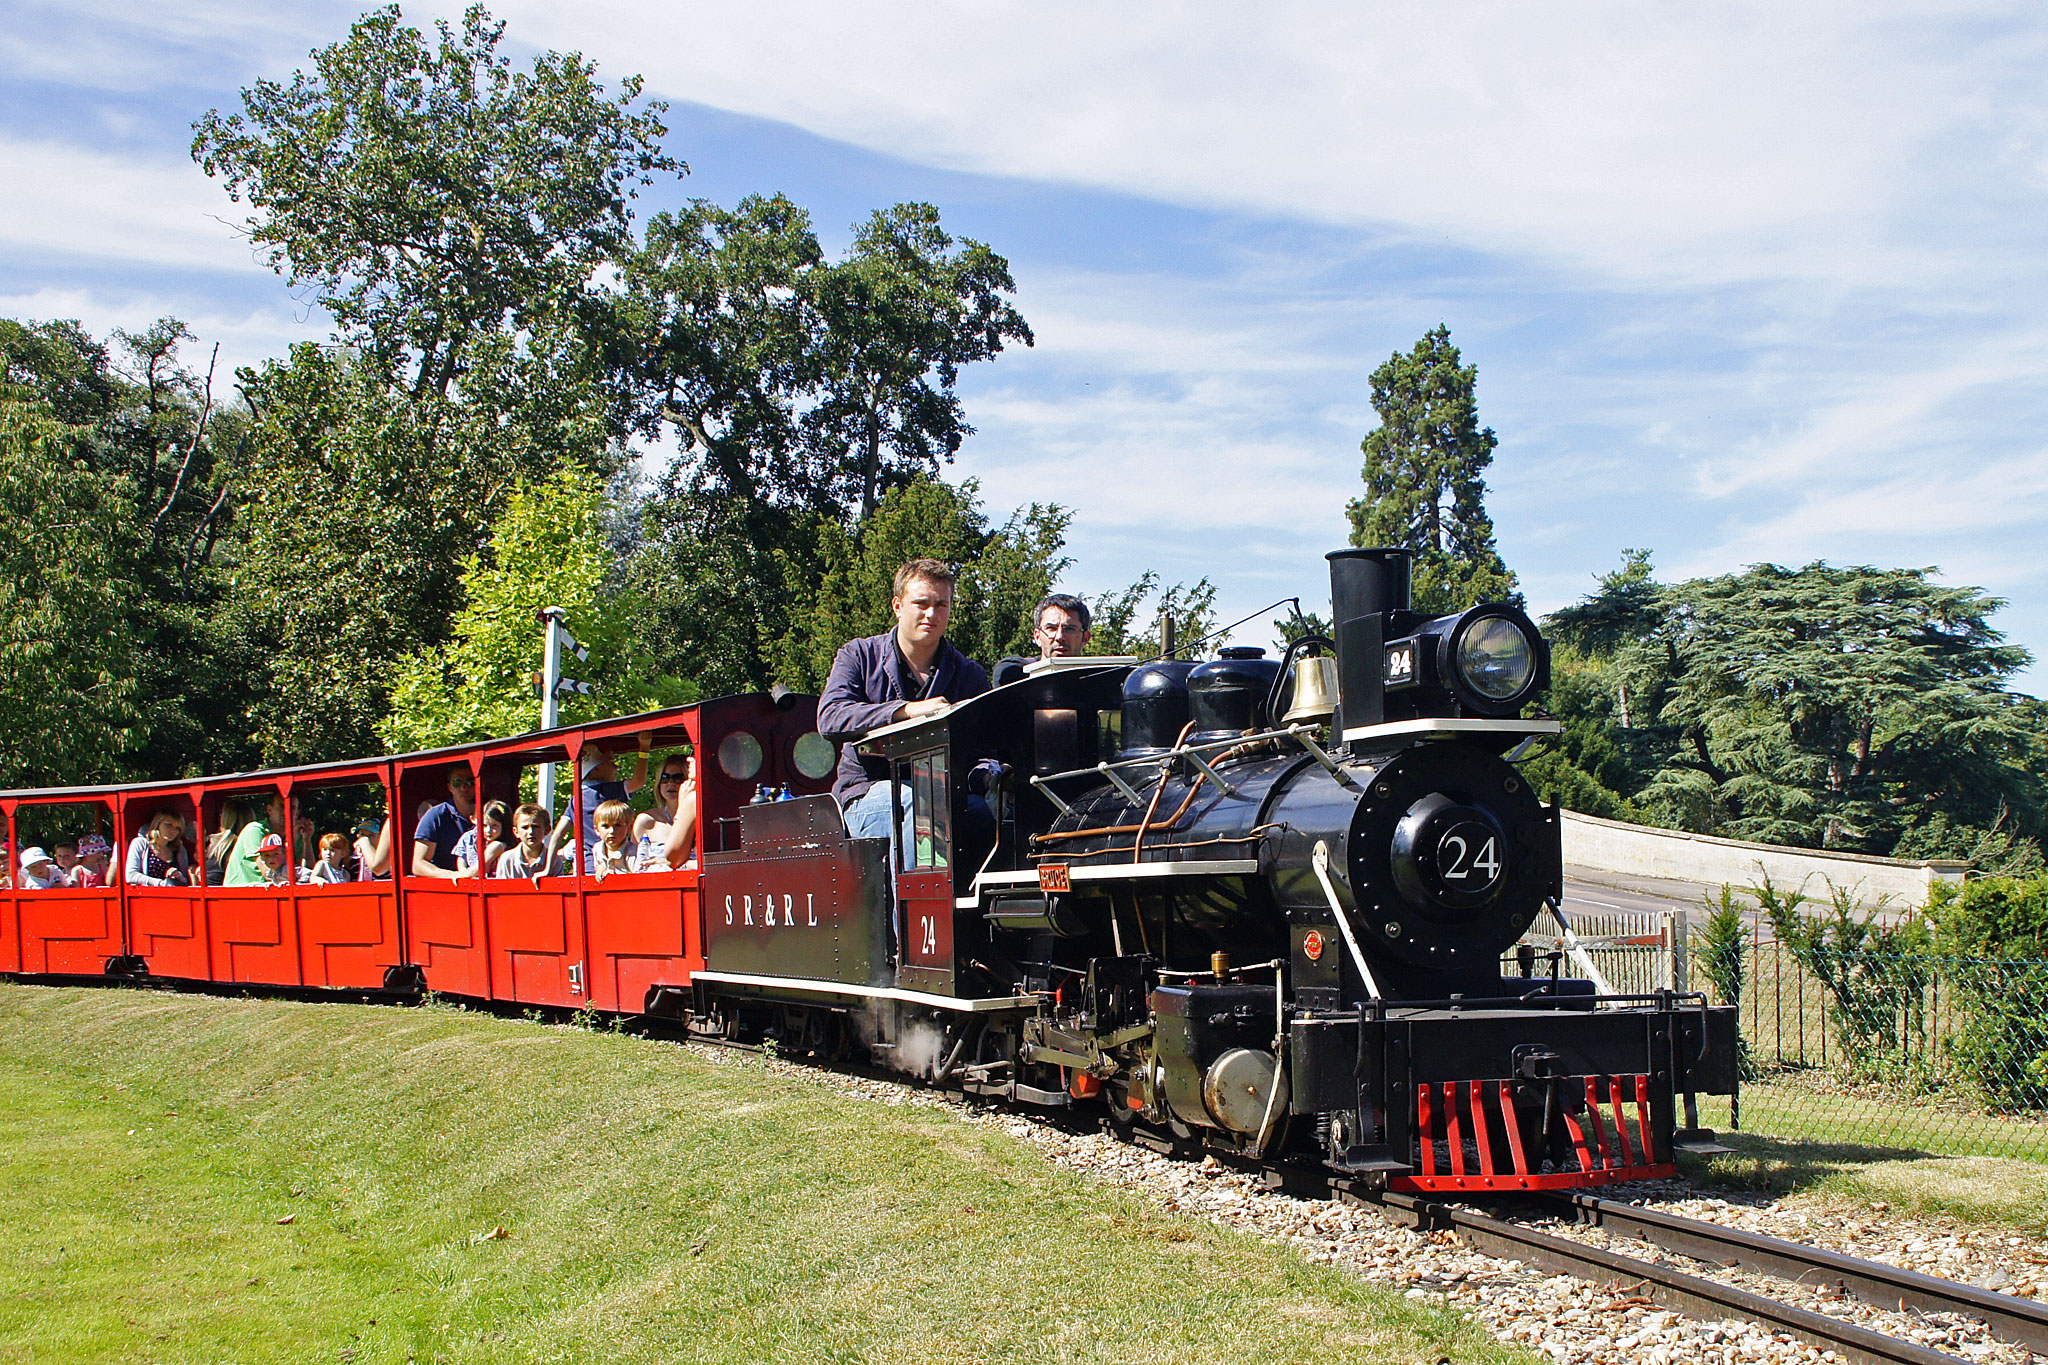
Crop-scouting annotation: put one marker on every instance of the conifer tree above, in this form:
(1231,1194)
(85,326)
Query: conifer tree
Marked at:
(1424,484)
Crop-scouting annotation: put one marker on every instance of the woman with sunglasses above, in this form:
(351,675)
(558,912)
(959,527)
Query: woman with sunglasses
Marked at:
(675,791)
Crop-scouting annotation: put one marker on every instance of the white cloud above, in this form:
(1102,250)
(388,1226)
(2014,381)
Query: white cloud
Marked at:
(247,337)
(1700,143)
(69,201)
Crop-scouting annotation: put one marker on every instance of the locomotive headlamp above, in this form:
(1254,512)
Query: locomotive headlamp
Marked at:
(1495,659)
(1490,660)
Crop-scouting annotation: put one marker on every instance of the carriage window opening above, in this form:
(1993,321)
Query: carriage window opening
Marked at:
(62,846)
(163,847)
(248,843)
(337,834)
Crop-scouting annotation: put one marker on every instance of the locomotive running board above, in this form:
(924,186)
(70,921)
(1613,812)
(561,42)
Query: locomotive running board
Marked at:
(1444,726)
(811,986)
(1098,872)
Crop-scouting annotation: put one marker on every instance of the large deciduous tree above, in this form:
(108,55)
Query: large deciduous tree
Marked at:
(173,454)
(457,216)
(434,196)
(800,391)
(1424,478)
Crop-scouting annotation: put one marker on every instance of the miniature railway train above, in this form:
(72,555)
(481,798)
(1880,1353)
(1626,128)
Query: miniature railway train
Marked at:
(1259,905)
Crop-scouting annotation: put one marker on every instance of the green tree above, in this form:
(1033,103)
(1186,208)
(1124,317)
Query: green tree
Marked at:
(1837,707)
(1424,484)
(363,505)
(800,391)
(1123,624)
(146,422)
(1003,571)
(550,547)
(435,197)
(903,312)
(1994,930)
(68,711)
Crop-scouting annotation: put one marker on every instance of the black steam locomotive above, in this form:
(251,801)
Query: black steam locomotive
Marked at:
(1260,905)
(1250,904)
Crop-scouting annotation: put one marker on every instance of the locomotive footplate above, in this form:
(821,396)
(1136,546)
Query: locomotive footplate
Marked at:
(1450,1097)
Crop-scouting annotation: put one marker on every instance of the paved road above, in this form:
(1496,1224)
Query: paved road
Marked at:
(1582,896)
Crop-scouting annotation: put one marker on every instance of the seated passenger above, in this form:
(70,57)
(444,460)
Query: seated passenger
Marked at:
(654,830)
(538,853)
(609,853)
(93,853)
(332,869)
(373,850)
(246,865)
(466,860)
(39,873)
(157,856)
(901,674)
(441,828)
(270,856)
(234,813)
(601,781)
(64,853)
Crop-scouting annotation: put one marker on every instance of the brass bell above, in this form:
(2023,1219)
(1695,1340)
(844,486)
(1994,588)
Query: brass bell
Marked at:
(1315,690)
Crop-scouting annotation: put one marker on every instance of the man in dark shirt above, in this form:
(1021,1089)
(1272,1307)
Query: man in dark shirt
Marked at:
(901,674)
(433,843)
(1060,629)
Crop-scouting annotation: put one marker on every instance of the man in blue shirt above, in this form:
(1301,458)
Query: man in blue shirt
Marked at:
(433,843)
(901,674)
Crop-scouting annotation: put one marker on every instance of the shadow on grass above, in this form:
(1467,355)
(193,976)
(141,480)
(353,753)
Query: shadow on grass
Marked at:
(1775,1165)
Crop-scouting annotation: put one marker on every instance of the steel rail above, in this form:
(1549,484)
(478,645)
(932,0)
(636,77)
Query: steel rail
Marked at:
(1692,1295)
(2011,1318)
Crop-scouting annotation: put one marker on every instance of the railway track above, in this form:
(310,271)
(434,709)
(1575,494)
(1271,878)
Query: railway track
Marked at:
(2019,1321)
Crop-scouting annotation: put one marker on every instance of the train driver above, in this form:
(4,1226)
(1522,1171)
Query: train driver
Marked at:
(909,671)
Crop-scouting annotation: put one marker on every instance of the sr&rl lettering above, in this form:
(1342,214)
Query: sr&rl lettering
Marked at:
(768,907)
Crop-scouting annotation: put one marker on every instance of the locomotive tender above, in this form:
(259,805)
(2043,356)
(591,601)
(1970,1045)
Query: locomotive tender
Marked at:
(1259,908)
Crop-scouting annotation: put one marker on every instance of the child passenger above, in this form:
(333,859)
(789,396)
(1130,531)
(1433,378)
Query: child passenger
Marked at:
(93,853)
(333,868)
(66,856)
(270,853)
(609,854)
(536,854)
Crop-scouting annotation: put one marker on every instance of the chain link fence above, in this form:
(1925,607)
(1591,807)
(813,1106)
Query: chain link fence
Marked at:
(1853,1033)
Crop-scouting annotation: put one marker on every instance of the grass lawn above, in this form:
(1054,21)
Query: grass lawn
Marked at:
(186,1179)
(1917,1159)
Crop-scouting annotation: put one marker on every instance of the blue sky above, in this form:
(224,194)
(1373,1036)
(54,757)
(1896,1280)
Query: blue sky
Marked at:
(1743,282)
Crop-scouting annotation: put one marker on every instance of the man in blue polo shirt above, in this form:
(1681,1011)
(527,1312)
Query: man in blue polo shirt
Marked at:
(901,674)
(433,843)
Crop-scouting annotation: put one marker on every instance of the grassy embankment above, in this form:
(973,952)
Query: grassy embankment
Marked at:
(197,1179)
(1859,1149)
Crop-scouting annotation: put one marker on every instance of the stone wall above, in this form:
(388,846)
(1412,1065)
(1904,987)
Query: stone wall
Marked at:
(1595,845)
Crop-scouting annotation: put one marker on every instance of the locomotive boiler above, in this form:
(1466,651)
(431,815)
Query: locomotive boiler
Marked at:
(1262,906)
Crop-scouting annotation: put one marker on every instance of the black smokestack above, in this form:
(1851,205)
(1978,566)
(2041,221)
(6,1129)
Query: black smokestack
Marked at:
(1366,586)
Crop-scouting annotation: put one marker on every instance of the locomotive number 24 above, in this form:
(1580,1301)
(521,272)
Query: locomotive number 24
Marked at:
(927,935)
(1460,861)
